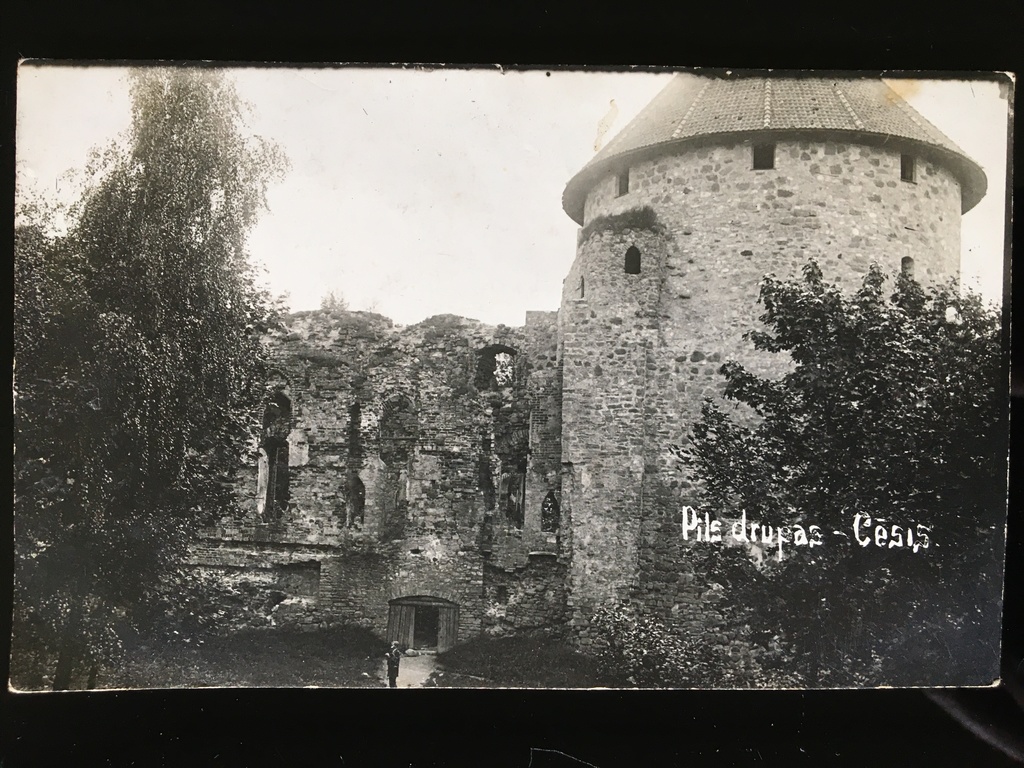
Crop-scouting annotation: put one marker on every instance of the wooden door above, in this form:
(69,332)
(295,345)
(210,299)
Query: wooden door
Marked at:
(401,622)
(447,626)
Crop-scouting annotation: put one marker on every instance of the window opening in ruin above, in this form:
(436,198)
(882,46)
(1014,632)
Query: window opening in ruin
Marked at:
(582,288)
(392,494)
(632,260)
(514,496)
(549,513)
(354,438)
(764,157)
(495,368)
(622,184)
(273,482)
(907,267)
(907,168)
(399,429)
(503,370)
(355,512)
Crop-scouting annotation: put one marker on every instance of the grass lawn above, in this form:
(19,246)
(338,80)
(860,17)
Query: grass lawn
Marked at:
(339,657)
(528,660)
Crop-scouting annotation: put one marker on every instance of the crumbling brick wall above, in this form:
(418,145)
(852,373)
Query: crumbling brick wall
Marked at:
(409,465)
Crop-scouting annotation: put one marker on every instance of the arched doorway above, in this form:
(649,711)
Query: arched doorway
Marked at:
(423,622)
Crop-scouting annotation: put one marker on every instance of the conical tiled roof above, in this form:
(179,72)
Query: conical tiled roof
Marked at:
(691,109)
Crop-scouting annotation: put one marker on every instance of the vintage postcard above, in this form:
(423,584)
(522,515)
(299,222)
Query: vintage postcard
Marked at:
(392,376)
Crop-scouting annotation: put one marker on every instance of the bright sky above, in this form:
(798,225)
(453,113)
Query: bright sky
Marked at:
(419,193)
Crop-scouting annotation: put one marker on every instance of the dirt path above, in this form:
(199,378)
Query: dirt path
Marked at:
(414,671)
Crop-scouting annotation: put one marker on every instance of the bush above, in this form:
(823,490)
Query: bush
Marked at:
(643,651)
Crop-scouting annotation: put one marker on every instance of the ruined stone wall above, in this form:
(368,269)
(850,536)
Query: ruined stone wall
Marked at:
(544,399)
(529,597)
(268,583)
(398,446)
(359,586)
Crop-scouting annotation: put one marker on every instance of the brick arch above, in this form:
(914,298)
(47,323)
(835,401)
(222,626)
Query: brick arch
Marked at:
(419,588)
(400,392)
(423,599)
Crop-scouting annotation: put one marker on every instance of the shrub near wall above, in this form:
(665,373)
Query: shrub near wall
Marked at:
(642,651)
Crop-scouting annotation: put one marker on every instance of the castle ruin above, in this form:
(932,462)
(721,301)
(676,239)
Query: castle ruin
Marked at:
(447,479)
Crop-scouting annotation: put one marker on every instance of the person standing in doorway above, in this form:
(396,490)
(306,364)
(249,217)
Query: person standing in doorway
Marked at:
(394,657)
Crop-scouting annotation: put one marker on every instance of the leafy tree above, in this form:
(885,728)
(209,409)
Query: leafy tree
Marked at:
(139,369)
(894,408)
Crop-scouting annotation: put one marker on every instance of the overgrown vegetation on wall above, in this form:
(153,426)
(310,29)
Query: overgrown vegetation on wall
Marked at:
(636,218)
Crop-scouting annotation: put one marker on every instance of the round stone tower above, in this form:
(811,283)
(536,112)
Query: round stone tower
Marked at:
(713,185)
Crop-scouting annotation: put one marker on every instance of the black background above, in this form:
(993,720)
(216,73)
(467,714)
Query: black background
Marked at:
(522,728)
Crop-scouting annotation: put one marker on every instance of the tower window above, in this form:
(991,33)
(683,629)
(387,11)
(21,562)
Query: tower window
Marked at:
(623,183)
(633,260)
(764,157)
(582,288)
(907,267)
(908,169)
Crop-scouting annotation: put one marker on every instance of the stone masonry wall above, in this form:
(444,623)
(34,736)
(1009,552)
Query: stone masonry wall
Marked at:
(429,488)
(608,330)
(530,597)
(842,203)
(728,225)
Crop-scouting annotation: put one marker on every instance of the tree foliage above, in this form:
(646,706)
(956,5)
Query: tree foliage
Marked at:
(139,364)
(894,408)
(641,651)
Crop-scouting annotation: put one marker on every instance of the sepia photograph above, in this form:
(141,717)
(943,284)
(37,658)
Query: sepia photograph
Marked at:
(408,377)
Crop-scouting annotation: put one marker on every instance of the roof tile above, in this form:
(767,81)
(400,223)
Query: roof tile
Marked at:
(690,107)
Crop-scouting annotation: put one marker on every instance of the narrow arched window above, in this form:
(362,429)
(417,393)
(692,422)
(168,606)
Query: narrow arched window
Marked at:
(583,287)
(549,513)
(273,475)
(356,501)
(907,267)
(633,260)
(513,494)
